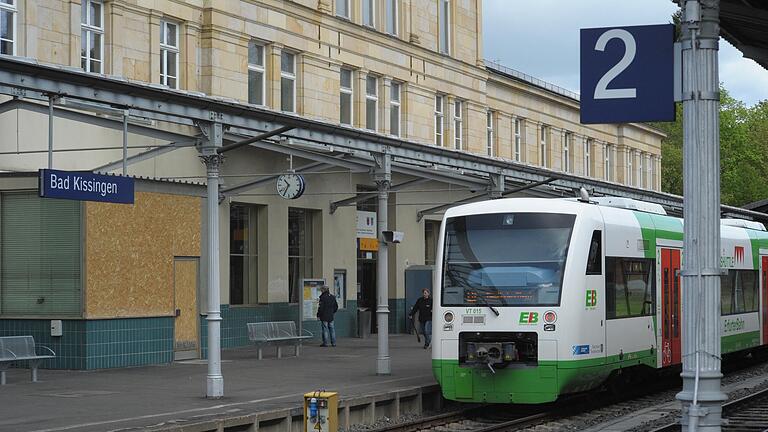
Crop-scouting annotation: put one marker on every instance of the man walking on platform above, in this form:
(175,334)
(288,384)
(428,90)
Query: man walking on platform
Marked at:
(325,310)
(424,307)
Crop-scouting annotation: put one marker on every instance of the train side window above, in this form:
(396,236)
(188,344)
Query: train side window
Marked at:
(629,287)
(739,292)
(595,257)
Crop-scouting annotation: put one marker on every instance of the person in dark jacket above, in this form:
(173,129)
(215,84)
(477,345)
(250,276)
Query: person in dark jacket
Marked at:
(424,307)
(325,310)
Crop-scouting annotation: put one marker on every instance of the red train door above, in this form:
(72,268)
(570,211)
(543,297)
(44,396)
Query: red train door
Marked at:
(764,274)
(670,307)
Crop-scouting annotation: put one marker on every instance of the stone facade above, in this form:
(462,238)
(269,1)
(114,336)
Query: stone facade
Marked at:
(214,36)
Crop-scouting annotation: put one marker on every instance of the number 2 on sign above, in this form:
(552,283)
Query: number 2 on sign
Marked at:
(630,49)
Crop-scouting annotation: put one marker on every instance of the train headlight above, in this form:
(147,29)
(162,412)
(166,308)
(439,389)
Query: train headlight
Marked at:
(448,317)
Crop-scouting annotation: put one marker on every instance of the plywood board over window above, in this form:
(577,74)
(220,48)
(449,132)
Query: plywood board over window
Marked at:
(129,253)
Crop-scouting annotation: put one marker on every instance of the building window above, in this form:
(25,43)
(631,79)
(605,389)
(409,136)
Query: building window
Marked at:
(439,115)
(8,27)
(630,168)
(641,171)
(431,234)
(300,256)
(653,172)
(342,8)
(288,81)
(169,54)
(40,256)
(256,73)
(392,17)
(489,132)
(608,166)
(345,97)
(649,171)
(567,139)
(458,125)
(92,36)
(369,13)
(243,254)
(371,102)
(444,23)
(517,127)
(543,138)
(629,287)
(588,143)
(394,109)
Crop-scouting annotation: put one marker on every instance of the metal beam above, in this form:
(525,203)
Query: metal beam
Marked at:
(236,189)
(255,139)
(432,210)
(149,154)
(101,121)
(20,77)
(366,196)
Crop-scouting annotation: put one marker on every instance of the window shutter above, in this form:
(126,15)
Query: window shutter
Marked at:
(40,259)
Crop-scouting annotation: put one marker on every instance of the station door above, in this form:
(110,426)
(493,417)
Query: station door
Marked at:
(185,329)
(670,307)
(764,282)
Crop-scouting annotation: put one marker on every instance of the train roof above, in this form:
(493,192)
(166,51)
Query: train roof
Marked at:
(603,205)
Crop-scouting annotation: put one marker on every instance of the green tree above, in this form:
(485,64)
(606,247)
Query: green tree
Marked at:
(743,152)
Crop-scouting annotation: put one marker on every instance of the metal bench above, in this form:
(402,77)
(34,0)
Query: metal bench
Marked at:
(20,348)
(276,333)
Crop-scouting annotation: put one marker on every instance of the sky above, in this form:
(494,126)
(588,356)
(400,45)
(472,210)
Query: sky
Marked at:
(541,38)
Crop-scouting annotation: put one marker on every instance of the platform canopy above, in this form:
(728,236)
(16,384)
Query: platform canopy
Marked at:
(744,23)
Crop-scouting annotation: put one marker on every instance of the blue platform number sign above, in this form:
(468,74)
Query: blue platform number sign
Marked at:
(627,74)
(86,186)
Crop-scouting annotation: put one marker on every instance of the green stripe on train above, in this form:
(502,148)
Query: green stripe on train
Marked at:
(657,226)
(531,385)
(740,341)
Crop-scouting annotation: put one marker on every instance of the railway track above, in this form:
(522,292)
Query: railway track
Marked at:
(474,419)
(746,414)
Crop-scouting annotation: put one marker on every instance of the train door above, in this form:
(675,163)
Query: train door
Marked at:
(764,280)
(670,307)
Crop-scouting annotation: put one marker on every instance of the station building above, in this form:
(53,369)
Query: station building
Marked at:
(127,282)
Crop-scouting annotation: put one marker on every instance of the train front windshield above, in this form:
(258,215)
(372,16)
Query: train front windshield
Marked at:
(505,259)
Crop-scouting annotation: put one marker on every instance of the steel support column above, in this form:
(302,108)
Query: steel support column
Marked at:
(382,175)
(209,154)
(125,142)
(701,396)
(50,131)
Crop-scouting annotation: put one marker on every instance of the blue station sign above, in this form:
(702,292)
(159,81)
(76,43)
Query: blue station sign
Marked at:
(85,186)
(627,74)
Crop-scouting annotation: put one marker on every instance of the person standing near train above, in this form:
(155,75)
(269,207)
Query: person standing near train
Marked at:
(424,307)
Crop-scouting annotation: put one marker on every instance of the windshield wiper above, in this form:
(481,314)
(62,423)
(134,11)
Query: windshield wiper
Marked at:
(485,302)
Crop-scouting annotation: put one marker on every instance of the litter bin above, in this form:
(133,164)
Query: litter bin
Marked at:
(363,322)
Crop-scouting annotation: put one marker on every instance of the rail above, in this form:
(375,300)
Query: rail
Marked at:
(471,419)
(743,414)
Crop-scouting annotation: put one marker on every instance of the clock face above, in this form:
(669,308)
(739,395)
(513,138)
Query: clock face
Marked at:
(290,186)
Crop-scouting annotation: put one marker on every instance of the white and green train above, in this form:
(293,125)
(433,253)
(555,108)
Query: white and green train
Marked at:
(537,298)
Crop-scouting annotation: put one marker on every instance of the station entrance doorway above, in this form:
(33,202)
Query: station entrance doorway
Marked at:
(366,282)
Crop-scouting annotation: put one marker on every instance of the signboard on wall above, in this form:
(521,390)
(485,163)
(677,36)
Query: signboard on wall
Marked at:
(369,244)
(311,295)
(366,224)
(85,186)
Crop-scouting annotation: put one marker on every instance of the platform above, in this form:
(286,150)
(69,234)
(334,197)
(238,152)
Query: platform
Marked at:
(266,393)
